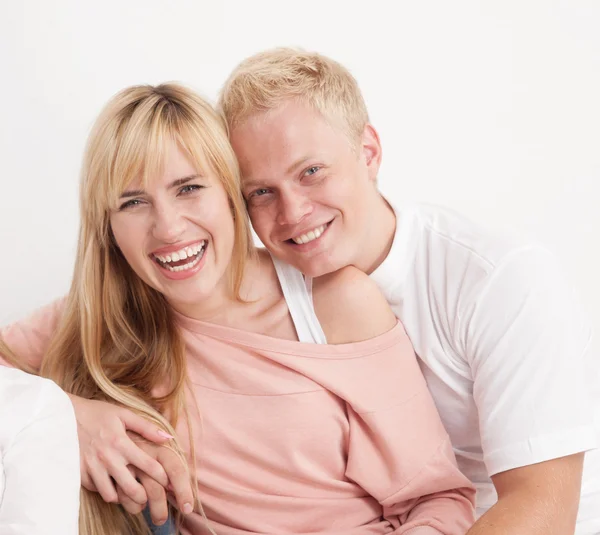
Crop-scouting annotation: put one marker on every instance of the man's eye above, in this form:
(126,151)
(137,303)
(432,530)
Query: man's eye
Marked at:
(260,192)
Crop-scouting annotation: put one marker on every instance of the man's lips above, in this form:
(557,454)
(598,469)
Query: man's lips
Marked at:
(306,236)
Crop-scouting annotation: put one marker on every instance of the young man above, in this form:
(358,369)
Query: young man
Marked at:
(504,345)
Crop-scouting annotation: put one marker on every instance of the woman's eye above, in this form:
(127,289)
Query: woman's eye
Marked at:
(130,203)
(189,188)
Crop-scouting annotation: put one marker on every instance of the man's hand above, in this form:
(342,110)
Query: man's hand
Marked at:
(106,451)
(540,499)
(179,487)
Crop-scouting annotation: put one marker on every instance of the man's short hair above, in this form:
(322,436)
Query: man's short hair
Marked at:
(271,78)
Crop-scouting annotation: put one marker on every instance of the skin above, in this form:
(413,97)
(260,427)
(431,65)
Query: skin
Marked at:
(105,450)
(299,171)
(541,498)
(178,487)
(180,207)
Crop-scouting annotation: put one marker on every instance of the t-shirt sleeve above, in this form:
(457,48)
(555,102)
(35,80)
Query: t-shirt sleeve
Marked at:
(528,343)
(399,451)
(39,457)
(29,338)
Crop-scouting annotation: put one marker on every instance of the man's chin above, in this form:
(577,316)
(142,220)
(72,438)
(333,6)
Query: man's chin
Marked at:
(316,267)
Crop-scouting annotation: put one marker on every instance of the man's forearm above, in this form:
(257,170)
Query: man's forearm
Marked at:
(539,499)
(526,513)
(511,516)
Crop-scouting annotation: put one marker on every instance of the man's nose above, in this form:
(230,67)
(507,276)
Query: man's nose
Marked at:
(292,209)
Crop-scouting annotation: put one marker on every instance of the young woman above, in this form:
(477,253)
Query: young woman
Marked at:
(175,316)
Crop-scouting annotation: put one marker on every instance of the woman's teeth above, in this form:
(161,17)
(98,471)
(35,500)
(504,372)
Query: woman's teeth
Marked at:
(310,235)
(194,253)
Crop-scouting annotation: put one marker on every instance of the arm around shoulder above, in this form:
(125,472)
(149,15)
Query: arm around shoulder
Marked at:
(29,338)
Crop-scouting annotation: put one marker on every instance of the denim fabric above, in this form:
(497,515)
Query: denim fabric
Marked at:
(168,528)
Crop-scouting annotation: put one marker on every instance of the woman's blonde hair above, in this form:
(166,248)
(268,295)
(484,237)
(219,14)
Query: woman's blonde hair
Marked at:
(117,340)
(269,79)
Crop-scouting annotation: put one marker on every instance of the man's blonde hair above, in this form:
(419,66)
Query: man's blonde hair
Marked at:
(269,79)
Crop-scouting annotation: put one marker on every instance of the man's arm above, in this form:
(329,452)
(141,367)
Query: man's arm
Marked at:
(40,457)
(105,449)
(537,499)
(527,340)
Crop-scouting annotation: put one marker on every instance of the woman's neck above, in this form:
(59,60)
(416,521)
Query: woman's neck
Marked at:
(220,306)
(261,308)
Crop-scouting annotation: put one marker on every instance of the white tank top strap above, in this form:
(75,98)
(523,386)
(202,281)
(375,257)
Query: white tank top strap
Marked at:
(298,295)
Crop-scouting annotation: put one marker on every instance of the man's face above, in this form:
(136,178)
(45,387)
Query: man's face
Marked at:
(310,192)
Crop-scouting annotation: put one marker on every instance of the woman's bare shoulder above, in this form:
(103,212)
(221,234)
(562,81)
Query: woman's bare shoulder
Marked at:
(350,306)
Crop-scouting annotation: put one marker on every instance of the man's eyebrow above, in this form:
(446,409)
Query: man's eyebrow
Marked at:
(176,183)
(251,183)
(297,163)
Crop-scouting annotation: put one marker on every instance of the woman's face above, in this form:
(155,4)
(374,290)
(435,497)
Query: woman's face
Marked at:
(177,234)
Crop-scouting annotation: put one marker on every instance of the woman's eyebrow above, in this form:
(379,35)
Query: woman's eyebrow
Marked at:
(174,184)
(132,193)
(184,180)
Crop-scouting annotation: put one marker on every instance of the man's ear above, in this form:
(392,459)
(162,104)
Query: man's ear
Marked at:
(371,150)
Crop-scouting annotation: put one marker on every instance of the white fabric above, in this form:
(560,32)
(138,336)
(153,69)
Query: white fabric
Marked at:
(504,346)
(298,295)
(39,457)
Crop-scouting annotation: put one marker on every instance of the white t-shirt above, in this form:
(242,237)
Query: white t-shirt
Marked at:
(39,457)
(504,346)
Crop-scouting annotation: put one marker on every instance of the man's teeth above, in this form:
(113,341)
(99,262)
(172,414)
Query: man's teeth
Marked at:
(194,253)
(310,235)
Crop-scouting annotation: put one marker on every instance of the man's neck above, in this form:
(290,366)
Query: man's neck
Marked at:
(381,236)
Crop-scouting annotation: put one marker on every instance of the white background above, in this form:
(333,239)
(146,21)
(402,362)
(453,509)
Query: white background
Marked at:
(492,108)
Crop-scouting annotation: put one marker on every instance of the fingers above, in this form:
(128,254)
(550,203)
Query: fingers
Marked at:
(86,480)
(106,450)
(143,456)
(128,504)
(179,480)
(144,428)
(157,499)
(112,464)
(102,482)
(127,483)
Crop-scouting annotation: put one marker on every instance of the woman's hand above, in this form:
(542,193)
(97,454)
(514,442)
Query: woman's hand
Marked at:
(106,450)
(179,491)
